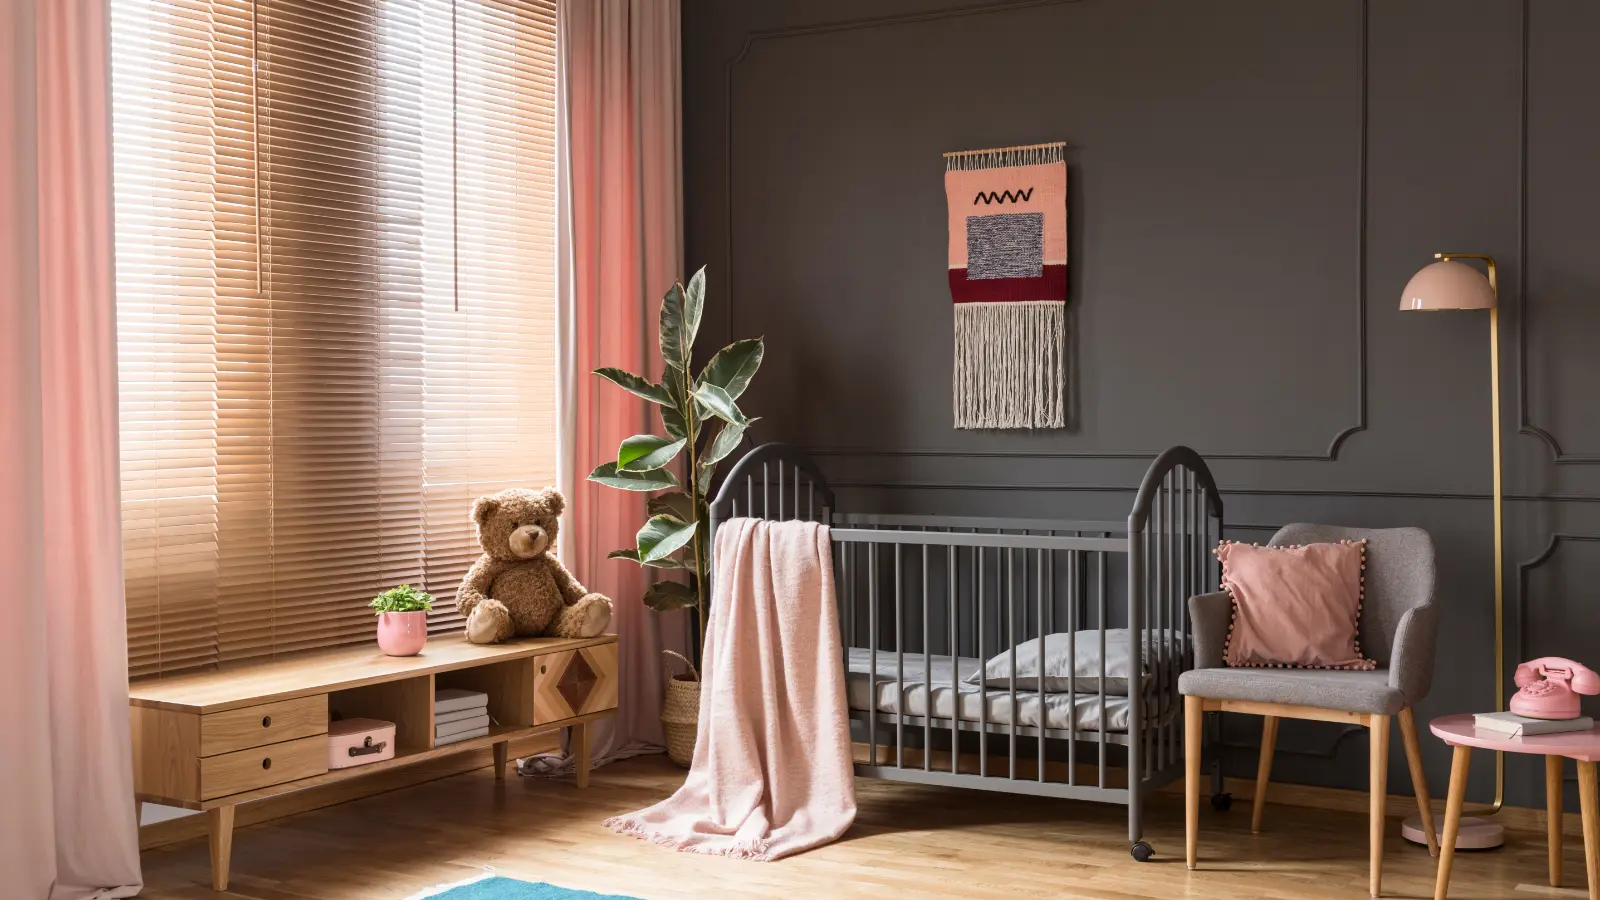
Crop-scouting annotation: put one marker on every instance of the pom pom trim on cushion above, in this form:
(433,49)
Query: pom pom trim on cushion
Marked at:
(1361,665)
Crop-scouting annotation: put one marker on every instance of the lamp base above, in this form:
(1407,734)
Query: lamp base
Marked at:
(1475,833)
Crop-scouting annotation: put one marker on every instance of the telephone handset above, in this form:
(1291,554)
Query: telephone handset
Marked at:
(1550,687)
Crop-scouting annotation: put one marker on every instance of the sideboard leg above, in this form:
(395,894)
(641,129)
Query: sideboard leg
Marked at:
(580,753)
(220,821)
(500,753)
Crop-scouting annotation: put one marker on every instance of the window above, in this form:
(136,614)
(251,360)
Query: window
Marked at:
(335,291)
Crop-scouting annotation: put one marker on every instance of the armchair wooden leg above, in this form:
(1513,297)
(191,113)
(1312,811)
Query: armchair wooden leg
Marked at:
(1379,728)
(1269,742)
(1419,778)
(1193,718)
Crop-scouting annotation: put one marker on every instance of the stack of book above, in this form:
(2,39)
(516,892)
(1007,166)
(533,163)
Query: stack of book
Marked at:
(1513,725)
(459,715)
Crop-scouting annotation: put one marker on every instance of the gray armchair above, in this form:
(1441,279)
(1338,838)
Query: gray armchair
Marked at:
(1399,626)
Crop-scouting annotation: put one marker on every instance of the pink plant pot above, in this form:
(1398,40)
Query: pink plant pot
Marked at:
(402,633)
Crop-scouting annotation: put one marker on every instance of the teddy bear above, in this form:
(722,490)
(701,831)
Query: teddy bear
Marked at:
(518,587)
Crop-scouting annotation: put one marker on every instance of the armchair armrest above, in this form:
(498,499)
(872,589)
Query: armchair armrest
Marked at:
(1210,615)
(1411,661)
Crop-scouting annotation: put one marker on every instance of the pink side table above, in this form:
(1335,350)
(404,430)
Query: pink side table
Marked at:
(1582,746)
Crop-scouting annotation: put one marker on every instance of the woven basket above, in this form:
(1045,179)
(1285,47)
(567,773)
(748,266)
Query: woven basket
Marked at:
(680,712)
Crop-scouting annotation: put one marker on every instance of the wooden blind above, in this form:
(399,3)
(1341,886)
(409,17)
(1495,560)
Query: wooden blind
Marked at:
(335,226)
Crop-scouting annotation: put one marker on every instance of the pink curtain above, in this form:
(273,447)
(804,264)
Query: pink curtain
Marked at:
(68,826)
(621,248)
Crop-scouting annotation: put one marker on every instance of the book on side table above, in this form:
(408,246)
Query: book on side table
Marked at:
(1511,724)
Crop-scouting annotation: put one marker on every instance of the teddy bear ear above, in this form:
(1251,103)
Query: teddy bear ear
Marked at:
(482,508)
(552,498)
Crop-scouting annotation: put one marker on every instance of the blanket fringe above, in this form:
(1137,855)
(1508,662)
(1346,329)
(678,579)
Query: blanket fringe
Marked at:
(747,849)
(1010,367)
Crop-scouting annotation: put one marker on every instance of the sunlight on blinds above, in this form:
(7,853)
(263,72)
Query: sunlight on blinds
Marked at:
(335,250)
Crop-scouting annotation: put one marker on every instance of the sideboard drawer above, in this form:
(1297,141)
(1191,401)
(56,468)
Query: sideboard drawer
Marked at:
(259,767)
(574,683)
(269,723)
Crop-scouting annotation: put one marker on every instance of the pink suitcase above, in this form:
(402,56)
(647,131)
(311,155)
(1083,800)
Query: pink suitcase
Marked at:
(356,742)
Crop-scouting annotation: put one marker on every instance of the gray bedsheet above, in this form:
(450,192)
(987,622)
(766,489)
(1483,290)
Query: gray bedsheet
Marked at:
(1060,709)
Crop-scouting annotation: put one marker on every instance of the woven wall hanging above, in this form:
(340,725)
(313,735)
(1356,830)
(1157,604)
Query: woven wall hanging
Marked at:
(1008,278)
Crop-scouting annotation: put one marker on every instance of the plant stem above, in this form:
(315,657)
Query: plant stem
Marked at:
(692,427)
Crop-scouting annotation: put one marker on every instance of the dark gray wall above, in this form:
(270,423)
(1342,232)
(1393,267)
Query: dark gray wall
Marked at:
(1252,182)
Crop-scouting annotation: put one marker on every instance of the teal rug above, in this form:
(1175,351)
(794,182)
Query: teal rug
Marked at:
(499,888)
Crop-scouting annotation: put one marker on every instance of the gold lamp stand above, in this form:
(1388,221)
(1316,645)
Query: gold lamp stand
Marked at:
(1445,285)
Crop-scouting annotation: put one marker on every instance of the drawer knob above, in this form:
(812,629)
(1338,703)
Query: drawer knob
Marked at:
(266,721)
(266,763)
(541,670)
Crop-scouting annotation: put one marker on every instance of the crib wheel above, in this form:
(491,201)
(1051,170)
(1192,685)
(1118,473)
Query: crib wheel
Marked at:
(1221,802)
(1142,851)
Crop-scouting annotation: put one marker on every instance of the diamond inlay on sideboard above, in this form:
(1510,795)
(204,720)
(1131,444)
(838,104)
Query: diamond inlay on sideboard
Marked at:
(577,682)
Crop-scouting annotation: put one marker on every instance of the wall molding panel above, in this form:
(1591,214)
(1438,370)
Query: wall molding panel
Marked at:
(1558,455)
(1360,375)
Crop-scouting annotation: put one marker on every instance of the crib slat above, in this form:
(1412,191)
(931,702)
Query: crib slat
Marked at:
(1039,558)
(1011,632)
(1074,564)
(872,653)
(983,681)
(1100,561)
(899,664)
(952,582)
(927,672)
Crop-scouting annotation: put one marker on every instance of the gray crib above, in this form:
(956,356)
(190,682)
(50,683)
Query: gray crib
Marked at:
(937,614)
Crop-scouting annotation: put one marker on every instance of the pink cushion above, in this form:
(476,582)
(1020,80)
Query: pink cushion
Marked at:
(1295,606)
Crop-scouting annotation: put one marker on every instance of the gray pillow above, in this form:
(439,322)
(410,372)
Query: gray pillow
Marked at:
(1085,663)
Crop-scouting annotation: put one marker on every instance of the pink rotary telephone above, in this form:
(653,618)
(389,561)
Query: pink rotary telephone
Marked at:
(1550,688)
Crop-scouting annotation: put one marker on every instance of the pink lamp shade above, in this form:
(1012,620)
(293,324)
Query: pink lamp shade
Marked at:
(1447,285)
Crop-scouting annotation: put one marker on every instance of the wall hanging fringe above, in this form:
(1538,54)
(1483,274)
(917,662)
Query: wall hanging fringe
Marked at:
(1008,280)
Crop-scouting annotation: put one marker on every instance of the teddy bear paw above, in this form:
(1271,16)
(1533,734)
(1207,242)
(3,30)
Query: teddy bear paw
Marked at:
(489,623)
(597,616)
(586,618)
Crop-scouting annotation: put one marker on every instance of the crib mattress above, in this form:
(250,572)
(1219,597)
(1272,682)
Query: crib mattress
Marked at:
(971,702)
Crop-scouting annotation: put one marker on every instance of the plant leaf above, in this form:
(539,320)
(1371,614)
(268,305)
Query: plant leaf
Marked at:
(672,421)
(632,555)
(703,480)
(676,504)
(633,384)
(654,480)
(694,304)
(734,365)
(726,441)
(644,452)
(674,345)
(665,596)
(721,405)
(663,535)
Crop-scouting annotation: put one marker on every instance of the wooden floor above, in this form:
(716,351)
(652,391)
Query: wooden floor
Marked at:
(908,841)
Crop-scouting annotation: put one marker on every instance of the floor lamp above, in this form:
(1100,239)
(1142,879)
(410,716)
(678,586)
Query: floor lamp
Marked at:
(1444,285)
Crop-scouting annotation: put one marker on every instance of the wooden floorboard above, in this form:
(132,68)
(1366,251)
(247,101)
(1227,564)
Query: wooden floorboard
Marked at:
(908,841)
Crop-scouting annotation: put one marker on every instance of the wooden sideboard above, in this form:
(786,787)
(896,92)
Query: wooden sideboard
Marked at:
(212,740)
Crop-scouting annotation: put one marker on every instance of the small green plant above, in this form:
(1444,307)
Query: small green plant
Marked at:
(404,598)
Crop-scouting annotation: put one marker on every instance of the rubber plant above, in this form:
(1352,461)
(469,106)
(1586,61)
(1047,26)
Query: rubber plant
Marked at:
(676,536)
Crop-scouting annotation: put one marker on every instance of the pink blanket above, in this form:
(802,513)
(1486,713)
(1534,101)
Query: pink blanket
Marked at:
(772,774)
